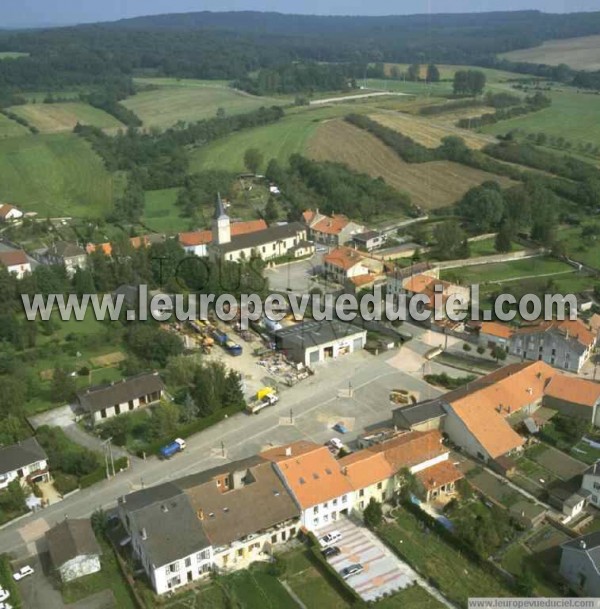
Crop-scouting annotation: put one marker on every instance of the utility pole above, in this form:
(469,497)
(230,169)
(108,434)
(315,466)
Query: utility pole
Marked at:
(112,461)
(291,417)
(222,449)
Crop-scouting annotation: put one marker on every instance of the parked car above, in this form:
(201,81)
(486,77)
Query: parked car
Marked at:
(336,443)
(331,551)
(6,606)
(23,572)
(330,538)
(340,428)
(4,594)
(351,570)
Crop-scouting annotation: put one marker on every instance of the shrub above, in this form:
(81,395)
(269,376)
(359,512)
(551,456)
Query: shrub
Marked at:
(480,350)
(65,483)
(466,347)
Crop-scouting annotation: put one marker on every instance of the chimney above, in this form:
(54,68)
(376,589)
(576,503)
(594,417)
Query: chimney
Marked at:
(529,390)
(144,533)
(288,451)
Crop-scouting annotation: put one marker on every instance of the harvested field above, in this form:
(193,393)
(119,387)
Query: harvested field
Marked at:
(110,359)
(54,118)
(429,132)
(430,185)
(579,53)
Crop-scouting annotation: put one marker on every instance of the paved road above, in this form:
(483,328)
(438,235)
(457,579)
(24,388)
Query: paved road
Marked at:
(315,404)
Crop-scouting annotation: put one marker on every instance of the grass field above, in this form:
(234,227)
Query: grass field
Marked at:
(430,185)
(160,212)
(166,105)
(447,72)
(582,249)
(455,576)
(55,175)
(53,118)
(12,55)
(10,128)
(429,132)
(579,53)
(574,116)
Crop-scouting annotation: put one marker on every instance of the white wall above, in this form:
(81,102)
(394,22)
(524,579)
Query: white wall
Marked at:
(327,512)
(80,566)
(27,470)
(338,345)
(460,435)
(426,464)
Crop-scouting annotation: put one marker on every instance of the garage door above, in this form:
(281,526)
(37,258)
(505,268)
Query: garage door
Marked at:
(313,357)
(357,344)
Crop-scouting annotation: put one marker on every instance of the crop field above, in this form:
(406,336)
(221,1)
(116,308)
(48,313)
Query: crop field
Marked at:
(10,128)
(166,105)
(55,175)
(572,115)
(430,185)
(54,118)
(579,53)
(429,132)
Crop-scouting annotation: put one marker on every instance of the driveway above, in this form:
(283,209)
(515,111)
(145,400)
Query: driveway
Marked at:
(383,572)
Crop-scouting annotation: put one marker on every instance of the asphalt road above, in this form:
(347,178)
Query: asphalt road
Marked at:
(305,411)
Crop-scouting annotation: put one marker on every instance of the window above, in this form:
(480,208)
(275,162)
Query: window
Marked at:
(204,555)
(240,552)
(379,486)
(361,493)
(325,505)
(315,522)
(362,505)
(335,502)
(597,485)
(188,562)
(173,567)
(274,538)
(316,509)
(345,499)
(103,413)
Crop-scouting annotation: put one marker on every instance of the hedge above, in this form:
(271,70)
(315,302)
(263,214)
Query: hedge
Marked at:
(8,583)
(100,474)
(347,592)
(189,429)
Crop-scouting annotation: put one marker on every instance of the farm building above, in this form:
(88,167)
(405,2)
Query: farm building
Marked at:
(334,230)
(103,402)
(574,397)
(73,548)
(16,262)
(312,342)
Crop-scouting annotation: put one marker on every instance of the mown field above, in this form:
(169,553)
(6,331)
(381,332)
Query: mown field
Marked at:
(579,53)
(572,115)
(55,175)
(12,55)
(429,132)
(160,212)
(54,118)
(447,72)
(430,185)
(166,105)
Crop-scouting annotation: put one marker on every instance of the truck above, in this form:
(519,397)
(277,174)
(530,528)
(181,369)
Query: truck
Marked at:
(173,448)
(264,397)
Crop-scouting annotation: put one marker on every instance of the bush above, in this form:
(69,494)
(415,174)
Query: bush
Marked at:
(8,583)
(466,347)
(65,483)
(480,350)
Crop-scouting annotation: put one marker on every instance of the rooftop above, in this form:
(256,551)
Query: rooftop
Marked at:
(262,237)
(19,455)
(331,225)
(102,396)
(495,328)
(364,468)
(439,475)
(574,390)
(64,249)
(344,257)
(410,449)
(572,329)
(13,258)
(310,333)
(203,237)
(70,539)
(422,411)
(367,236)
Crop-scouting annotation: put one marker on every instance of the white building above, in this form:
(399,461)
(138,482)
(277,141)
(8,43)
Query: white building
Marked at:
(9,212)
(25,461)
(16,262)
(103,402)
(73,548)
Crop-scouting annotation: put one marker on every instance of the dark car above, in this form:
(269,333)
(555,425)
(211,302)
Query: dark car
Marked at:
(354,569)
(331,551)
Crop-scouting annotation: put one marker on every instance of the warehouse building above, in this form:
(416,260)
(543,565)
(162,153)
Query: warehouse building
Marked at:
(312,342)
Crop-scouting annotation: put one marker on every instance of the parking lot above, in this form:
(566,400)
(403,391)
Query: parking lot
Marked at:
(383,572)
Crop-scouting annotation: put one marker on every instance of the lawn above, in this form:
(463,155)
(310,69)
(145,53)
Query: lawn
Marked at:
(494,488)
(54,118)
(10,128)
(487,247)
(309,584)
(55,175)
(452,573)
(161,214)
(165,106)
(414,597)
(510,271)
(572,115)
(584,249)
(109,578)
(12,55)
(447,72)
(586,453)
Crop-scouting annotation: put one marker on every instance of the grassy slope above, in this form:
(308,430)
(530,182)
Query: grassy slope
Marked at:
(10,128)
(54,175)
(160,212)
(12,55)
(52,118)
(580,53)
(165,106)
(574,116)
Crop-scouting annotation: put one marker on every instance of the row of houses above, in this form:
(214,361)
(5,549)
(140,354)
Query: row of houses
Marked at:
(228,516)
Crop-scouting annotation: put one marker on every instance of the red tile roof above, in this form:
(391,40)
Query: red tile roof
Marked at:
(343,257)
(331,225)
(13,258)
(495,328)
(203,237)
(438,475)
(574,390)
(410,449)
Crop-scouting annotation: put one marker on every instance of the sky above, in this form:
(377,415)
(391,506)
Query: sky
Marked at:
(18,13)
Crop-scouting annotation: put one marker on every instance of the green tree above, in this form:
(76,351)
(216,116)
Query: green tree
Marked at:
(498,353)
(526,582)
(503,239)
(233,394)
(373,514)
(414,72)
(271,213)
(433,74)
(483,206)
(449,238)
(408,484)
(63,385)
(13,498)
(253,159)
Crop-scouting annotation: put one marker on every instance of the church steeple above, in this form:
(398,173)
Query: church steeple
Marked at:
(221,226)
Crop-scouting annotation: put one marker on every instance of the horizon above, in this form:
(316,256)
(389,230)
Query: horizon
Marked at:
(38,14)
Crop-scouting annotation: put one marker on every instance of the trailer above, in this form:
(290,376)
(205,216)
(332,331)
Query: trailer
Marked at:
(173,448)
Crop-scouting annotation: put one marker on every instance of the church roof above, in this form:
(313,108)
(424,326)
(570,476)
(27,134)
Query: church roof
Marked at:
(220,208)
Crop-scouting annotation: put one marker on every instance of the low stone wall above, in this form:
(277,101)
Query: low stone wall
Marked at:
(494,259)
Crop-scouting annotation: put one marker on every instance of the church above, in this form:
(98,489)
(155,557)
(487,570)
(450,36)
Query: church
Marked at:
(272,242)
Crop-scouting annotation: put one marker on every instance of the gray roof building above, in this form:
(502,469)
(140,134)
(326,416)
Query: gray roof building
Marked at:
(99,397)
(16,456)
(259,238)
(71,539)
(415,415)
